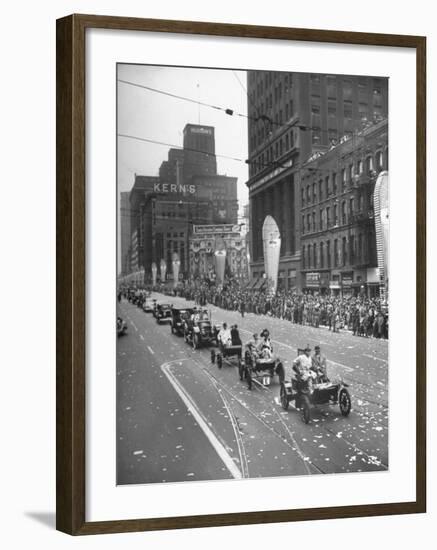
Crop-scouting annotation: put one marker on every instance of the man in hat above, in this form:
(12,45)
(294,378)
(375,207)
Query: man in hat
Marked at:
(302,367)
(318,365)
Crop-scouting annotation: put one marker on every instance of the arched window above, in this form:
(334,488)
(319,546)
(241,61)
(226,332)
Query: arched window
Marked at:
(344,251)
(322,255)
(343,213)
(379,160)
(314,255)
(328,254)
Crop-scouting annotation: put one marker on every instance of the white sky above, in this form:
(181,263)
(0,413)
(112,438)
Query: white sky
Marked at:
(150,115)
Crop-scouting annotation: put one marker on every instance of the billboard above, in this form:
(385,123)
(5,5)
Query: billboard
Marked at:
(272,248)
(154,273)
(220,260)
(176,264)
(163,269)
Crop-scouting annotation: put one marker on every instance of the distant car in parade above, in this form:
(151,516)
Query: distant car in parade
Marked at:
(162,313)
(121,326)
(149,306)
(178,317)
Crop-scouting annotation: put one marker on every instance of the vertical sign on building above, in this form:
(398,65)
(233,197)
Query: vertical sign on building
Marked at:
(220,260)
(380,201)
(154,273)
(176,263)
(163,269)
(272,248)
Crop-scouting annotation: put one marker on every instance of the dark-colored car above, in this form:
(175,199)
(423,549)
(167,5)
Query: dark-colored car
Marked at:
(163,313)
(179,315)
(200,333)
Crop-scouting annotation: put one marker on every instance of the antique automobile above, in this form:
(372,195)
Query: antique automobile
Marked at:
(121,326)
(227,353)
(178,318)
(306,396)
(149,305)
(200,332)
(163,313)
(259,368)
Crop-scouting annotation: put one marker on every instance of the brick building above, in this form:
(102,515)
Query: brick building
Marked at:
(338,242)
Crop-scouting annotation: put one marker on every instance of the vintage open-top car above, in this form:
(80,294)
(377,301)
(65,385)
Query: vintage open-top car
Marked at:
(162,313)
(200,332)
(179,315)
(306,396)
(225,352)
(256,367)
(121,326)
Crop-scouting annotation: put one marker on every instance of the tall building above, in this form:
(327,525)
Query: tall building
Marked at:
(291,116)
(199,151)
(338,237)
(125,232)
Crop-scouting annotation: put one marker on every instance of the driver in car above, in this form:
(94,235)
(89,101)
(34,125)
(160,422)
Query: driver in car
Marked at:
(319,365)
(302,366)
(224,335)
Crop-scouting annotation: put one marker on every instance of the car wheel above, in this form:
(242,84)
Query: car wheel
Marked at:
(219,361)
(344,402)
(213,356)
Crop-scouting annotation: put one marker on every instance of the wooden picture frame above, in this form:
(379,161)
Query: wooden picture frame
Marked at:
(71,248)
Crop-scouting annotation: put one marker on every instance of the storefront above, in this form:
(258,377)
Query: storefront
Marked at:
(335,285)
(347,280)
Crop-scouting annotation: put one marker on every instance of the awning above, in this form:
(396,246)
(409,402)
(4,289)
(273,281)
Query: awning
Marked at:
(260,283)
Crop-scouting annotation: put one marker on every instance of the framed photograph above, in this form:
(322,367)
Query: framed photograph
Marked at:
(241,274)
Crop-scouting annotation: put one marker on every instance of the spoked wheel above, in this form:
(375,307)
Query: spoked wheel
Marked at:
(213,356)
(306,408)
(219,361)
(344,401)
(284,398)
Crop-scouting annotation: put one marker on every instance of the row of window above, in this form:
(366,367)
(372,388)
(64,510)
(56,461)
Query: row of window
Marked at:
(329,216)
(272,153)
(330,185)
(320,256)
(280,81)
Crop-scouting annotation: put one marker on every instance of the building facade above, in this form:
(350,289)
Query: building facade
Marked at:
(291,116)
(125,232)
(338,241)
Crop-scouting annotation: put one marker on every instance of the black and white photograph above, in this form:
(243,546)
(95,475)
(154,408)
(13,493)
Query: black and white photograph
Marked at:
(253,282)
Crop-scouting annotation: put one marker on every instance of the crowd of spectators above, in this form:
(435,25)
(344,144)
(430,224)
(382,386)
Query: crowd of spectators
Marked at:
(363,316)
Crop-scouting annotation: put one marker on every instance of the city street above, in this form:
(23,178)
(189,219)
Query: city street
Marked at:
(180,418)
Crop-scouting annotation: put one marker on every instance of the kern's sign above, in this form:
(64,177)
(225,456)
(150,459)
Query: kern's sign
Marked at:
(174,188)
